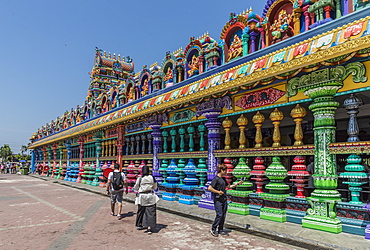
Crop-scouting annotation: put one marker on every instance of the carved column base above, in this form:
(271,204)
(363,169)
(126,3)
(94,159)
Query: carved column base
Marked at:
(273,214)
(322,223)
(187,195)
(238,208)
(239,204)
(321,215)
(169,193)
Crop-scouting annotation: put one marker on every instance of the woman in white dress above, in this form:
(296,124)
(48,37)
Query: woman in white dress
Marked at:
(146,200)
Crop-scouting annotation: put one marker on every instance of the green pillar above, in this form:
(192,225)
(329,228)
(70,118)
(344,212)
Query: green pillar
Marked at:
(165,136)
(274,199)
(321,86)
(173,134)
(182,132)
(201,129)
(60,147)
(240,205)
(245,40)
(98,149)
(191,131)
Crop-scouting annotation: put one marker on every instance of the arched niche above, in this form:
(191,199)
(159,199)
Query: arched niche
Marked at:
(114,99)
(130,91)
(93,110)
(193,62)
(137,92)
(232,37)
(145,85)
(73,118)
(280,21)
(105,104)
(168,74)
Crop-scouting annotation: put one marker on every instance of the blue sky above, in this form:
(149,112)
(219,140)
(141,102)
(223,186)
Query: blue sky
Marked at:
(47,49)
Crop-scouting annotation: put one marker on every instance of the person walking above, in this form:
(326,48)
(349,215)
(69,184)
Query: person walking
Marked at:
(146,200)
(115,184)
(218,187)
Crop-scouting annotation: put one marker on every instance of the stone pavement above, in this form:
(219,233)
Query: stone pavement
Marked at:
(289,233)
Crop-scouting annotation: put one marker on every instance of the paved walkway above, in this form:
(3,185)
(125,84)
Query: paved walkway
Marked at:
(290,233)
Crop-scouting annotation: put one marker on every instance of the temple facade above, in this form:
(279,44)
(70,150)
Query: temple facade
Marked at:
(280,98)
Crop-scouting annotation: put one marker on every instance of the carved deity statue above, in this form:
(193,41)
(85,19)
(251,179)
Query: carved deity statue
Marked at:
(236,48)
(105,107)
(281,28)
(193,66)
(131,94)
(145,88)
(169,76)
(114,102)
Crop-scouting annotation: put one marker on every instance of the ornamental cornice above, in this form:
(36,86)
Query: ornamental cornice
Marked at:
(217,84)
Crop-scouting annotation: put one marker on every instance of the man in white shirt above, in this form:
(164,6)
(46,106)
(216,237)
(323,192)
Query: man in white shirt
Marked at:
(116,194)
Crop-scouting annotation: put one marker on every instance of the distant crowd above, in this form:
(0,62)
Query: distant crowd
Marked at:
(9,168)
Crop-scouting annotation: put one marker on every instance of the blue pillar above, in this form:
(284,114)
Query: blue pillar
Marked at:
(211,110)
(33,161)
(155,123)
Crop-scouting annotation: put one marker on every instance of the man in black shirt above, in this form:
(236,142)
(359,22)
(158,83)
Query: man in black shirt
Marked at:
(218,187)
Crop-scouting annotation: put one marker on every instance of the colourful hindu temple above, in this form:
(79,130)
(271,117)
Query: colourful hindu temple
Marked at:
(280,98)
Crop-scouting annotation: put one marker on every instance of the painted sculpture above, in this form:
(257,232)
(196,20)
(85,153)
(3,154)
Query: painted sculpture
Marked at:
(236,48)
(193,66)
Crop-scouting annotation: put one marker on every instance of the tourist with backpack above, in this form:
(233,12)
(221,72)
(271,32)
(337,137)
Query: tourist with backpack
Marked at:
(115,184)
(146,200)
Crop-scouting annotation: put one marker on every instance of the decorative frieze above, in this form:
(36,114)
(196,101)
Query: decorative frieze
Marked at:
(259,98)
(134,127)
(182,116)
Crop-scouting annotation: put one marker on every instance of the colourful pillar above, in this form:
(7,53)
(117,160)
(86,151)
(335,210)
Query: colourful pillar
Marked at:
(54,157)
(321,86)
(274,200)
(355,174)
(33,161)
(120,144)
(240,195)
(190,182)
(211,110)
(163,171)
(172,182)
(299,171)
(155,123)
(81,156)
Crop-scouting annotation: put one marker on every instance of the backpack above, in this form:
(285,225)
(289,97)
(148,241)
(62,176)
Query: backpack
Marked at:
(117,181)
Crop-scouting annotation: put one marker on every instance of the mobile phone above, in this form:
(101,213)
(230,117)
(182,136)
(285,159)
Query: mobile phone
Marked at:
(243,178)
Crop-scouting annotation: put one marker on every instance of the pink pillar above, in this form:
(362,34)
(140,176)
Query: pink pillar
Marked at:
(299,171)
(306,17)
(259,172)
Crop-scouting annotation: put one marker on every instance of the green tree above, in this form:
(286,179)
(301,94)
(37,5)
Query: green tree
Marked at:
(23,150)
(5,152)
(18,157)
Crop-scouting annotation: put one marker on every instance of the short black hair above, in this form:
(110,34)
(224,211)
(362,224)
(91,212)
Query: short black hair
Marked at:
(145,170)
(221,167)
(116,166)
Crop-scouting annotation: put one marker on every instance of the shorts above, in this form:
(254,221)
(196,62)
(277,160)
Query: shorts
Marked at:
(116,196)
